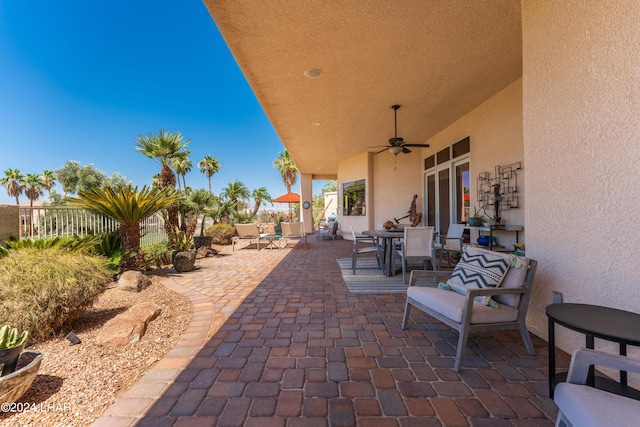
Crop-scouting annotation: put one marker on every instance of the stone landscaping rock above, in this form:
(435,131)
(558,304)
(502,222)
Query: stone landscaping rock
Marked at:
(129,326)
(184,261)
(133,281)
(204,252)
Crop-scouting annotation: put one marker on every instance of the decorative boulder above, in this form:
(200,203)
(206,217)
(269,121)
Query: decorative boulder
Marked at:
(133,281)
(184,261)
(204,252)
(129,326)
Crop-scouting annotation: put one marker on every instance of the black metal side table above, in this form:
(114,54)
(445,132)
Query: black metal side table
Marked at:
(594,321)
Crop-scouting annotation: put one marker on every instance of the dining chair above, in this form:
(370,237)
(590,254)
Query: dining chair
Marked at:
(452,243)
(581,405)
(374,248)
(417,245)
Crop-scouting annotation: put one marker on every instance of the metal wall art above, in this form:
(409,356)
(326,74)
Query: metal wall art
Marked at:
(499,192)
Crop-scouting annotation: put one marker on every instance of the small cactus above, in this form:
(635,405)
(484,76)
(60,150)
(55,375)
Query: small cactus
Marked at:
(9,337)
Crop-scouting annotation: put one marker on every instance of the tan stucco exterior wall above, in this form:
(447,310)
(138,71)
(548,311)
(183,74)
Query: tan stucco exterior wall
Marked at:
(495,131)
(353,168)
(9,222)
(397,179)
(581,93)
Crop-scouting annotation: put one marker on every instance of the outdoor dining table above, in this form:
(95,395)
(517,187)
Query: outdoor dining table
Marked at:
(387,237)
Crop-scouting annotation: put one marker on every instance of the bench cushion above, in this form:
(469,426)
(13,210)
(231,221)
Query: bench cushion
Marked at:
(451,305)
(586,406)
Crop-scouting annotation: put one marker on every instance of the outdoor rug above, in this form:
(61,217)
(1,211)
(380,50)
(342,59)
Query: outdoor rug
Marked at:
(368,278)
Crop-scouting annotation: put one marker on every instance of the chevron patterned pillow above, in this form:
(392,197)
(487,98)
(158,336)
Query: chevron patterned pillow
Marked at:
(479,268)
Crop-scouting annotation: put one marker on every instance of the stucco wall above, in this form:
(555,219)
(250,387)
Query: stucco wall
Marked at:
(397,179)
(353,168)
(9,222)
(581,94)
(495,131)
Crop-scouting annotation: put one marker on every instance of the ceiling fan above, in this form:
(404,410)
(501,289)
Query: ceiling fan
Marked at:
(397,144)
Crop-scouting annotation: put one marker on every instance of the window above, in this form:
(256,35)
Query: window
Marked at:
(353,198)
(446,186)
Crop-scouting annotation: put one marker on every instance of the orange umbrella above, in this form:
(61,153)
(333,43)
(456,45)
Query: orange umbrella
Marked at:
(288,198)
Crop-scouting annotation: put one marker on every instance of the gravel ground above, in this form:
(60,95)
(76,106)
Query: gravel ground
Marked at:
(77,383)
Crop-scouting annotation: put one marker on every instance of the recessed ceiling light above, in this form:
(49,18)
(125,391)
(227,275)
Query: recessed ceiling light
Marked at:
(313,73)
(316,123)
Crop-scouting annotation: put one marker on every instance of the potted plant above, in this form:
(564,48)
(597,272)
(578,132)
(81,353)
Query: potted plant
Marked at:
(11,346)
(183,257)
(477,218)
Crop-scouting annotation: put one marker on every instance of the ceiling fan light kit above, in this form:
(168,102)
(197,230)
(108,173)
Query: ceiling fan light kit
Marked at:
(397,144)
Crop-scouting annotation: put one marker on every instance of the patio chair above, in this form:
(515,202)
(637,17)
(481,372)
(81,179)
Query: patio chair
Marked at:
(330,231)
(471,304)
(247,232)
(585,406)
(452,243)
(293,230)
(416,245)
(374,248)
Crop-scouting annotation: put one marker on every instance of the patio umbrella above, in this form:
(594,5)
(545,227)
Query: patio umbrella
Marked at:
(290,197)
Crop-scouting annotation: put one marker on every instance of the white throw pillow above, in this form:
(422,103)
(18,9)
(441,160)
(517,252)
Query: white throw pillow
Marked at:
(479,268)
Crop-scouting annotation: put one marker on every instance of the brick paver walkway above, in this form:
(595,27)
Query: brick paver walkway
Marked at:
(277,340)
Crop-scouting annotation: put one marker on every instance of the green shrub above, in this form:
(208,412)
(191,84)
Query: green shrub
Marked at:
(42,289)
(222,233)
(157,254)
(83,244)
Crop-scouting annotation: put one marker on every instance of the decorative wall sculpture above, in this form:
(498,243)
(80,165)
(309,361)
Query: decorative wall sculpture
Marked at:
(499,192)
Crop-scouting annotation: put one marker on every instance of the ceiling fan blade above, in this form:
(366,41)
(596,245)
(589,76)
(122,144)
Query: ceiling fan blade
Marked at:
(416,145)
(405,150)
(381,151)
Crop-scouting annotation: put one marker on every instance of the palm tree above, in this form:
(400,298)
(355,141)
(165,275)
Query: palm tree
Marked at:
(13,180)
(234,193)
(164,147)
(128,206)
(155,180)
(48,181)
(260,195)
(200,202)
(209,166)
(287,168)
(330,186)
(182,165)
(33,187)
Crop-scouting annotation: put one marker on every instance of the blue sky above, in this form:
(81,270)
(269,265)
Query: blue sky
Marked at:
(79,80)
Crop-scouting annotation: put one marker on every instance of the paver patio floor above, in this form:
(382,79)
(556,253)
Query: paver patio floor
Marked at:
(276,339)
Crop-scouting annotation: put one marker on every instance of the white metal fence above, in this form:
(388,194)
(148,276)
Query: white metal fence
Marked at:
(48,222)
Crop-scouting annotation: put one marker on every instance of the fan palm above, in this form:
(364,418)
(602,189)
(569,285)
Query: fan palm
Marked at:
(34,187)
(209,166)
(48,180)
(182,165)
(234,192)
(128,206)
(260,195)
(164,147)
(13,180)
(287,168)
(200,202)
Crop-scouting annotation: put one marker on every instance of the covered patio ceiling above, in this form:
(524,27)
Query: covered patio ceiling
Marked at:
(438,59)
